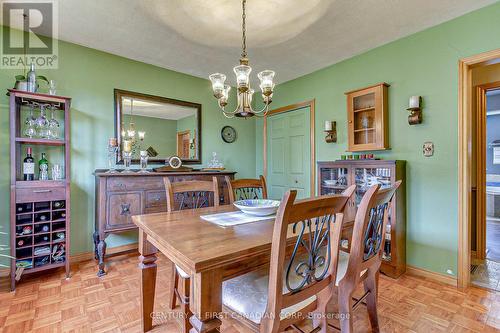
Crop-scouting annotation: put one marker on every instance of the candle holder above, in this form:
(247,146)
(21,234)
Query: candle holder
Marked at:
(127,160)
(112,155)
(415,109)
(331,131)
(144,161)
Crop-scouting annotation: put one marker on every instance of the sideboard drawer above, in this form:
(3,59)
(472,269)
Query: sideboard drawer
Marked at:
(124,183)
(156,209)
(156,198)
(121,207)
(40,194)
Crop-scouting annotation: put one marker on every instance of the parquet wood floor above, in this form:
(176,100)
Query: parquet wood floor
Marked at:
(86,303)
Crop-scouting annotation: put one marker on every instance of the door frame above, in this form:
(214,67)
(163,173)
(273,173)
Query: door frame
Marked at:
(311,104)
(481,121)
(465,67)
(179,135)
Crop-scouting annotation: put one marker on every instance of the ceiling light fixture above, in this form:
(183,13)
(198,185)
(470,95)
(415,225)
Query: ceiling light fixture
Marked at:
(245,92)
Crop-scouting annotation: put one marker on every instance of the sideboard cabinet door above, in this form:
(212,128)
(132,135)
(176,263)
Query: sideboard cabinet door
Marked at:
(121,207)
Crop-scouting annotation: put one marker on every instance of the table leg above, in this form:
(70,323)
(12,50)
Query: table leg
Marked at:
(206,301)
(147,264)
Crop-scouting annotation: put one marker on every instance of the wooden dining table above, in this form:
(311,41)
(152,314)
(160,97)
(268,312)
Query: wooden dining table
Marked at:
(209,253)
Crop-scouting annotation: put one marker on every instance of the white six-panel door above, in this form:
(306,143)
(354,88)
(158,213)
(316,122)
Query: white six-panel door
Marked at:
(288,153)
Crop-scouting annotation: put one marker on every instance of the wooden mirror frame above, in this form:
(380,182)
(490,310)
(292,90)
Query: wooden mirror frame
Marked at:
(118,120)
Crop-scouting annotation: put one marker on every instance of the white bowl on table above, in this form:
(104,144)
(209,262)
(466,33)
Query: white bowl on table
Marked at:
(258,207)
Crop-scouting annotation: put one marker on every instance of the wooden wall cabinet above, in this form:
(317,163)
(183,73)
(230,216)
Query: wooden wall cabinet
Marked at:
(119,196)
(39,209)
(334,177)
(367,118)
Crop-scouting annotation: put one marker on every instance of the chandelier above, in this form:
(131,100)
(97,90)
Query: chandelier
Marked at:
(245,92)
(131,134)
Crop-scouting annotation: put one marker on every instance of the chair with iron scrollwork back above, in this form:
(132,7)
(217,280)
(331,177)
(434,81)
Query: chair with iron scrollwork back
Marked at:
(191,194)
(363,263)
(241,189)
(273,299)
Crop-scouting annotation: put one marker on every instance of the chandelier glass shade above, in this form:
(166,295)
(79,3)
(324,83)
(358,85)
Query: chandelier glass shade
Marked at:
(244,91)
(130,133)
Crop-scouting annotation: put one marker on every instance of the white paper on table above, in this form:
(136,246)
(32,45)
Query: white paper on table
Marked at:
(234,218)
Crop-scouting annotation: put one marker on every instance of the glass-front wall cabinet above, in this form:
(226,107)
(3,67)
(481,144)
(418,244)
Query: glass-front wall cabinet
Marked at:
(335,177)
(367,118)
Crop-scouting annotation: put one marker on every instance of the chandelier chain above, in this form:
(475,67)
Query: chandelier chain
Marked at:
(244,30)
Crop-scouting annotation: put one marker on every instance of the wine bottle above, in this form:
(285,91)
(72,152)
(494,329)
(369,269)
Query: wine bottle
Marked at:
(29,166)
(31,79)
(43,168)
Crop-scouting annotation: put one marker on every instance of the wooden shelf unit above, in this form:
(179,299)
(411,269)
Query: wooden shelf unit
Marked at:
(367,118)
(334,177)
(39,209)
(46,142)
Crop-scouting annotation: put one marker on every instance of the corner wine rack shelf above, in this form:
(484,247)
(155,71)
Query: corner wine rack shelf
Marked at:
(39,209)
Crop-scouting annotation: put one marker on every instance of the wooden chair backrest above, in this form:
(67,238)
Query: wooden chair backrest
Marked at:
(368,235)
(241,189)
(311,221)
(191,194)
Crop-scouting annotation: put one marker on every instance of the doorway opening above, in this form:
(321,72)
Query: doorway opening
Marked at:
(485,180)
(467,200)
(183,144)
(493,175)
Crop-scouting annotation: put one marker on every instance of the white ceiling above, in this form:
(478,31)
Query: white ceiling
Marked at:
(293,38)
(157,109)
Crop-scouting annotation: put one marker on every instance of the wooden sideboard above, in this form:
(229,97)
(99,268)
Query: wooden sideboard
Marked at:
(119,196)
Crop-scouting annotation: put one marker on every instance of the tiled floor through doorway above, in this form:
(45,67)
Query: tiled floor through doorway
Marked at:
(486,275)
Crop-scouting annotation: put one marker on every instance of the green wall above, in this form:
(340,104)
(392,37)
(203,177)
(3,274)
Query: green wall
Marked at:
(423,64)
(89,77)
(161,134)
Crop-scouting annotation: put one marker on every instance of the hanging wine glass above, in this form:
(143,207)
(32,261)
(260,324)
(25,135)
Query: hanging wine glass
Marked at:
(42,123)
(53,126)
(30,123)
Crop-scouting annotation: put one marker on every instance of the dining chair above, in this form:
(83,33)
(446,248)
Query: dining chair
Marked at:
(362,264)
(191,194)
(241,189)
(277,297)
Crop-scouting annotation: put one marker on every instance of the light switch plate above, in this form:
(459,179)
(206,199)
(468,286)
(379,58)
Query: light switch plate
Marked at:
(428,149)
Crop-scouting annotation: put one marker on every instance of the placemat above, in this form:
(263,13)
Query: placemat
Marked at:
(234,218)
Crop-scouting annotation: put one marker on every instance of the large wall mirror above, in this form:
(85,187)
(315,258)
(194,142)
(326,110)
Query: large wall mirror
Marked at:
(161,126)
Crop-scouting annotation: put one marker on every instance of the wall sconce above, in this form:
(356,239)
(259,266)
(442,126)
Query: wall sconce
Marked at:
(331,131)
(415,109)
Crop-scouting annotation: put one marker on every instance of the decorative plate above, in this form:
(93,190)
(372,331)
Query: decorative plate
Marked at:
(258,207)
(228,134)
(175,162)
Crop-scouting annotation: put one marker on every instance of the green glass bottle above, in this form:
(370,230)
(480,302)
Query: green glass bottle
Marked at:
(43,168)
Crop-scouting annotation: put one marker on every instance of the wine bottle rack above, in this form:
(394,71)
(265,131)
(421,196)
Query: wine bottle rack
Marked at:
(40,209)
(40,234)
